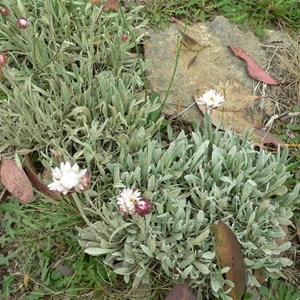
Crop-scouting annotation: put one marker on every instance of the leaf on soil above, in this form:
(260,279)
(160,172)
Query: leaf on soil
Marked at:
(229,254)
(181,292)
(16,181)
(26,280)
(298,230)
(254,70)
(111,5)
(35,180)
(264,138)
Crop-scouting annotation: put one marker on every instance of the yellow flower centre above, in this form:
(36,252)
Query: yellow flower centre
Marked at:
(212,99)
(132,200)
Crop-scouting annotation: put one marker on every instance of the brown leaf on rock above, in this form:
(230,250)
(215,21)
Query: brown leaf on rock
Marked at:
(254,70)
(181,292)
(190,43)
(229,254)
(36,181)
(235,120)
(237,97)
(16,181)
(111,5)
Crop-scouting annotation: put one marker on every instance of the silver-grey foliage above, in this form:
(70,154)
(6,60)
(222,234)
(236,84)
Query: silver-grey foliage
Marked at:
(239,185)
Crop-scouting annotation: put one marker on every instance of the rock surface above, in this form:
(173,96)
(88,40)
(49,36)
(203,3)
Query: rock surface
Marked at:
(215,67)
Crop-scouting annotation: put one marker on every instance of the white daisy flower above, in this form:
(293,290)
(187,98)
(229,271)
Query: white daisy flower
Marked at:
(211,99)
(127,200)
(68,179)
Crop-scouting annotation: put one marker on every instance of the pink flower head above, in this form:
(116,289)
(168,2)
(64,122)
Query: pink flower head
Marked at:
(3,59)
(124,38)
(4,11)
(143,207)
(22,23)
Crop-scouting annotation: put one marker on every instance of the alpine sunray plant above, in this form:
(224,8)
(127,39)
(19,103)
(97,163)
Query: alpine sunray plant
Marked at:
(93,103)
(189,192)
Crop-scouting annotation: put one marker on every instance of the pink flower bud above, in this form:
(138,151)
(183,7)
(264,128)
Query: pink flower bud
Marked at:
(22,23)
(4,11)
(86,181)
(124,38)
(143,207)
(3,59)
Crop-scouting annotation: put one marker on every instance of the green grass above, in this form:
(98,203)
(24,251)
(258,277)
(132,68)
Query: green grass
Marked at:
(279,291)
(257,14)
(40,243)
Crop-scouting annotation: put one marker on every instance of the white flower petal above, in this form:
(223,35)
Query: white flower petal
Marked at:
(127,199)
(211,99)
(82,172)
(56,173)
(67,167)
(68,178)
(75,168)
(52,186)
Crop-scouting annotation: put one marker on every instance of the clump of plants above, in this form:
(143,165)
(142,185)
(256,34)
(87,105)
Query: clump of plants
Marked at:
(73,98)
(73,81)
(191,183)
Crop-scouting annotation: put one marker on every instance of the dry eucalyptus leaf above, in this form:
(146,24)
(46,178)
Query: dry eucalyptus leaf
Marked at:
(260,276)
(234,120)
(95,2)
(35,180)
(26,280)
(254,70)
(111,5)
(190,43)
(229,254)
(237,98)
(181,292)
(298,230)
(16,181)
(265,137)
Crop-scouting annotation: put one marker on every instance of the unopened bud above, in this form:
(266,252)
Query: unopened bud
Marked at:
(22,23)
(143,207)
(3,59)
(4,11)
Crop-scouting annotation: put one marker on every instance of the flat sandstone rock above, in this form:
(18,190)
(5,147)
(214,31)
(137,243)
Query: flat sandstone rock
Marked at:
(215,67)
